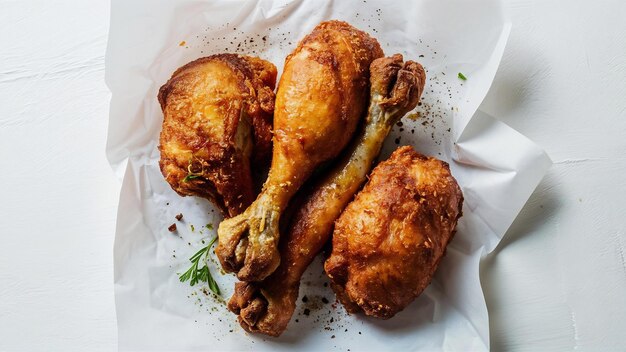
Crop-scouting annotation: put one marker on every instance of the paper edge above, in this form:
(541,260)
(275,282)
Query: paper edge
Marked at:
(120,166)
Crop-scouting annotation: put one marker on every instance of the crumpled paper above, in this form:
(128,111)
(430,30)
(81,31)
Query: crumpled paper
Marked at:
(496,167)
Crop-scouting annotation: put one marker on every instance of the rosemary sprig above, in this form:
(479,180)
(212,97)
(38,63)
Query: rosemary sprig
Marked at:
(195,275)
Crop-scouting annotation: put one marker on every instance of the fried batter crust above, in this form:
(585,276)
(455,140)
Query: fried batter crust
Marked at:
(267,307)
(217,118)
(388,242)
(321,97)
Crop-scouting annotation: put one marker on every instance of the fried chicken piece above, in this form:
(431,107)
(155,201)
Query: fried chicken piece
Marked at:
(388,242)
(217,117)
(321,97)
(267,307)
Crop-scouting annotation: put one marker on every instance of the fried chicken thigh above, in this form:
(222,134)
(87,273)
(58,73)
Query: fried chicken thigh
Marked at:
(388,242)
(267,307)
(217,117)
(321,97)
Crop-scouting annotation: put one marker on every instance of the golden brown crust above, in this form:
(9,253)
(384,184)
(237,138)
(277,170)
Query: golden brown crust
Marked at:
(317,208)
(217,115)
(323,93)
(321,97)
(387,243)
(400,83)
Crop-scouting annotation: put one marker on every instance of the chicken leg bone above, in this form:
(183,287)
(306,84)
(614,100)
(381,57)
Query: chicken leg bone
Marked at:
(321,97)
(266,307)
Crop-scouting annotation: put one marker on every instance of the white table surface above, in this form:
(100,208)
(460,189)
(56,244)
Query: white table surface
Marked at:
(556,282)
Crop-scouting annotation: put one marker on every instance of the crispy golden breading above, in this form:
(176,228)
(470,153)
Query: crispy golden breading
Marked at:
(217,117)
(388,242)
(321,97)
(266,307)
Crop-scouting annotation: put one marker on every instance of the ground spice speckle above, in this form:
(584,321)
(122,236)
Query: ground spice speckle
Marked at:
(428,125)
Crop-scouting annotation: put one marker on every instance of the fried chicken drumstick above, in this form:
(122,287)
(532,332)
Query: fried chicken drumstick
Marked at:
(388,242)
(217,117)
(267,307)
(321,96)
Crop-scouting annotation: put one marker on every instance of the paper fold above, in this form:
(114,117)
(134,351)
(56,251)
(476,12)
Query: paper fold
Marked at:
(496,167)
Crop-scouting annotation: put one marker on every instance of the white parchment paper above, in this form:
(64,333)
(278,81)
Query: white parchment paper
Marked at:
(496,167)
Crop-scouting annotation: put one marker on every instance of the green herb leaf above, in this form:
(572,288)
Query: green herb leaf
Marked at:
(197,256)
(187,275)
(190,177)
(213,286)
(462,76)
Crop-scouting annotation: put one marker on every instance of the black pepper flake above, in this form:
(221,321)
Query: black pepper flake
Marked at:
(325,284)
(397,140)
(307,311)
(332,337)
(305,299)
(179,217)
(172,228)
(324,300)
